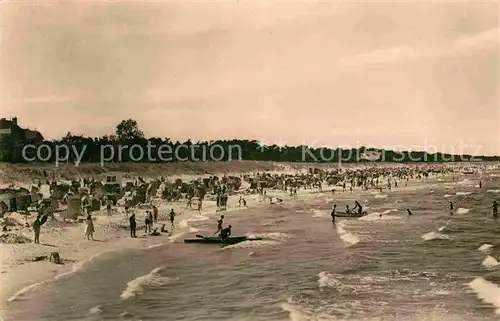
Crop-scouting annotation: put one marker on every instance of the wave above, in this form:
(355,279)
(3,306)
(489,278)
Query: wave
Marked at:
(448,195)
(298,313)
(496,191)
(184,225)
(485,247)
(136,286)
(462,210)
(380,216)
(95,310)
(487,292)
(251,244)
(174,237)
(344,235)
(328,280)
(153,246)
(463,193)
(75,268)
(268,239)
(193,230)
(435,236)
(490,262)
(273,236)
(322,214)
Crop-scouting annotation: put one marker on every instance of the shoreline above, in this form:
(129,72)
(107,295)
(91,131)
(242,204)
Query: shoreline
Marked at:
(30,172)
(19,276)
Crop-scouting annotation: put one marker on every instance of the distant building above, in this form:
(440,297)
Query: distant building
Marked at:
(19,136)
(9,127)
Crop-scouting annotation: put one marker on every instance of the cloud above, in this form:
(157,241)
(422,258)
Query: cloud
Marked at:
(229,69)
(403,53)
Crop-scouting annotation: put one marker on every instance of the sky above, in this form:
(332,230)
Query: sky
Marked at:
(415,75)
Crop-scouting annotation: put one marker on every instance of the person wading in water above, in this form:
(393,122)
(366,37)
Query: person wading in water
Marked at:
(225,233)
(220,222)
(333,212)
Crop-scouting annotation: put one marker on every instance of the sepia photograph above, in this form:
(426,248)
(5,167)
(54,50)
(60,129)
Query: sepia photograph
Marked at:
(249,160)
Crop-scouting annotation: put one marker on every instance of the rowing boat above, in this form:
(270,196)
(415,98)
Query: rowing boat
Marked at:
(217,240)
(350,215)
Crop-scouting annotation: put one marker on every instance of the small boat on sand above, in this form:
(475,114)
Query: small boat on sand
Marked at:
(217,240)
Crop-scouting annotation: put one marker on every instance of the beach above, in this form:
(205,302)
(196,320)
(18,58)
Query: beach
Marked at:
(305,268)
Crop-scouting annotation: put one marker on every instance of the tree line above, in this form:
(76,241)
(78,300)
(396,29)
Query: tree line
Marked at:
(128,133)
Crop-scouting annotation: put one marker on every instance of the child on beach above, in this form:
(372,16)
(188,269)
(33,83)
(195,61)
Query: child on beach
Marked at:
(108,207)
(172,218)
(147,222)
(89,229)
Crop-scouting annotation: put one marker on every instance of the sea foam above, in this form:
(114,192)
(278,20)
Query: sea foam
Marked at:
(136,286)
(75,268)
(435,236)
(487,292)
(485,248)
(462,210)
(345,236)
(490,262)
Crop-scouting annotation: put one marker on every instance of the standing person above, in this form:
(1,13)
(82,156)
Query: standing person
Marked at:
(133,225)
(225,233)
(147,222)
(495,209)
(155,214)
(333,212)
(150,218)
(172,218)
(242,201)
(37,225)
(220,222)
(108,207)
(359,207)
(89,229)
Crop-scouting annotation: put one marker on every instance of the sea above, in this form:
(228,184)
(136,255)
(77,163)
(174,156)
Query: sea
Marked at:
(435,265)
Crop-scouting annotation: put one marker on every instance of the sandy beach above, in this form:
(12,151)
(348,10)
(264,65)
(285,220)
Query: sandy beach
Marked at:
(150,262)
(20,273)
